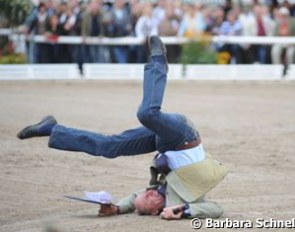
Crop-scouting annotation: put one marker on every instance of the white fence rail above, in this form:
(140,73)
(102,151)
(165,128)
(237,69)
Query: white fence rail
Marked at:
(138,41)
(291,72)
(234,72)
(39,72)
(123,71)
(113,71)
(135,72)
(167,40)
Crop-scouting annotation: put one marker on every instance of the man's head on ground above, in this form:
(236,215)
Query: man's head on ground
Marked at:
(149,202)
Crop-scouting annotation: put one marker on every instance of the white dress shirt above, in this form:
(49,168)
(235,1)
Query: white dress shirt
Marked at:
(178,159)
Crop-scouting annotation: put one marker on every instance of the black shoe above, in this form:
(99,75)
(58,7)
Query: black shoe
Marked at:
(157,48)
(43,128)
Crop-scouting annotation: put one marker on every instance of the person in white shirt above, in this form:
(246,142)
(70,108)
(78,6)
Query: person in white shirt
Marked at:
(259,23)
(145,26)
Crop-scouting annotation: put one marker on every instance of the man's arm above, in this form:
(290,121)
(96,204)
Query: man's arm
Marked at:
(200,210)
(125,205)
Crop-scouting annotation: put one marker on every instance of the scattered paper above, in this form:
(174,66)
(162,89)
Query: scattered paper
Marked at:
(102,197)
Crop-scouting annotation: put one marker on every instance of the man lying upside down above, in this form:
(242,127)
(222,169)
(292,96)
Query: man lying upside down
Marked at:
(182,173)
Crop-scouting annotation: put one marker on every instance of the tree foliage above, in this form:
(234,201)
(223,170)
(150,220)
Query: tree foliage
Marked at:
(13,12)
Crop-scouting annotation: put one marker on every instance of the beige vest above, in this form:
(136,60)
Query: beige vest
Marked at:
(194,181)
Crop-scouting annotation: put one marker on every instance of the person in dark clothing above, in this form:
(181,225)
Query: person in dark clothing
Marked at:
(121,26)
(38,27)
(53,30)
(93,26)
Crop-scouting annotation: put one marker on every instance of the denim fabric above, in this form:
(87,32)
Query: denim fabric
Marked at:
(160,131)
(121,54)
(131,142)
(94,54)
(262,54)
(172,130)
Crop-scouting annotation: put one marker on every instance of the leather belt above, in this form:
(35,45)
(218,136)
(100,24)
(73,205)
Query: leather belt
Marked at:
(190,144)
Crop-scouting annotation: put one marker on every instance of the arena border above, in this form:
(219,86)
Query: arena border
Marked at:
(134,72)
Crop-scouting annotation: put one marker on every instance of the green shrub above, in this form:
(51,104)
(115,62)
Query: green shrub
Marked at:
(13,59)
(196,52)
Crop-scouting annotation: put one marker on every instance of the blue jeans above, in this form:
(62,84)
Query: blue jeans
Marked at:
(159,131)
(121,54)
(262,54)
(93,54)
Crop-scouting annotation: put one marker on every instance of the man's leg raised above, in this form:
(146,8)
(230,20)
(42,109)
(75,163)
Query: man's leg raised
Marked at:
(172,128)
(130,142)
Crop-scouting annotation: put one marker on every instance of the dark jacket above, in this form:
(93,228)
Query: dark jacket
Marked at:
(86,27)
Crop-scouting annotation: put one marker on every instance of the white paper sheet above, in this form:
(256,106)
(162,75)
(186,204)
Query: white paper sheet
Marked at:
(102,196)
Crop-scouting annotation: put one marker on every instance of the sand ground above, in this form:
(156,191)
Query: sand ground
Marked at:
(249,126)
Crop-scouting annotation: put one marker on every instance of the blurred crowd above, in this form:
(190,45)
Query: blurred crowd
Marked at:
(121,18)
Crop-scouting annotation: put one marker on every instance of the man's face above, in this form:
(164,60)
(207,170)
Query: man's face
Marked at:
(149,202)
(119,4)
(42,9)
(94,7)
(231,17)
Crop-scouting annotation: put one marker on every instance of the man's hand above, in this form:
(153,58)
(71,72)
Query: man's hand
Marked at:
(108,210)
(172,213)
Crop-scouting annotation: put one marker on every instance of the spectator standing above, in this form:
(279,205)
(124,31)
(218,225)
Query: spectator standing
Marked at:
(170,23)
(121,26)
(245,16)
(30,45)
(159,11)
(135,8)
(231,27)
(290,7)
(77,53)
(169,26)
(227,7)
(92,26)
(178,7)
(38,26)
(67,20)
(285,27)
(145,27)
(76,14)
(259,24)
(215,20)
(193,22)
(52,31)
(51,7)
